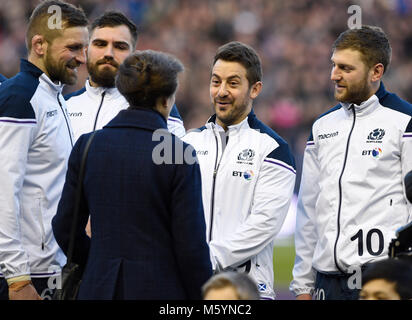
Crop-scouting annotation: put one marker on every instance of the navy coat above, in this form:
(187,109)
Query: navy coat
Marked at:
(148,229)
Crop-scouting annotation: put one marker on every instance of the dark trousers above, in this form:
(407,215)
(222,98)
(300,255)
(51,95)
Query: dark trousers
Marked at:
(334,287)
(41,285)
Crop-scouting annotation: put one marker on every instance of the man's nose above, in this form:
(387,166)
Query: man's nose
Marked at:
(335,74)
(108,52)
(81,56)
(222,90)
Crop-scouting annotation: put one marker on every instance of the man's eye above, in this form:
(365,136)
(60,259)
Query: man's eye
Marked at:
(74,48)
(122,47)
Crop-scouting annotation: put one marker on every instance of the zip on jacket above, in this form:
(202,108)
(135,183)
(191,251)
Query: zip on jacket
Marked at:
(217,164)
(340,190)
(65,119)
(98,111)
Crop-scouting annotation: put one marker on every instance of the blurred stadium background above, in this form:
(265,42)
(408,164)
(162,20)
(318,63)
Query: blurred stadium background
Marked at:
(293,39)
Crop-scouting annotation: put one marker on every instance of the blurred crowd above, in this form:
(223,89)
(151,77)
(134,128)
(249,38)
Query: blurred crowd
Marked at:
(293,38)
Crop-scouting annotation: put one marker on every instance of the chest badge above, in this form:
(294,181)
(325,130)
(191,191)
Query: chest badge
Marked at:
(376,136)
(246,157)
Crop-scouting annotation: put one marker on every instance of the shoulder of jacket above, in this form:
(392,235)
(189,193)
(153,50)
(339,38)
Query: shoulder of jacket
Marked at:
(393,102)
(282,151)
(16,96)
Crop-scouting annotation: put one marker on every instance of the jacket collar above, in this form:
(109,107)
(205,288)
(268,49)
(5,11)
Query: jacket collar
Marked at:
(138,118)
(27,66)
(110,93)
(368,106)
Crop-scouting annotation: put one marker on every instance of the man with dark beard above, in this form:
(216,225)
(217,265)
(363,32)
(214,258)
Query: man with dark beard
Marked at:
(352,197)
(35,143)
(113,37)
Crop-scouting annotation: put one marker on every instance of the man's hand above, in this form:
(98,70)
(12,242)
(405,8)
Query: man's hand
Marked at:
(305,296)
(23,290)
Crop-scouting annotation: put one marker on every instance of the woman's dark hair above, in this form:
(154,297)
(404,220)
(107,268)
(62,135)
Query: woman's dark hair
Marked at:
(145,76)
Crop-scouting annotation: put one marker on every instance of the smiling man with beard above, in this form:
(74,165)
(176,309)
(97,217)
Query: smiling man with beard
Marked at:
(352,197)
(113,37)
(248,171)
(35,143)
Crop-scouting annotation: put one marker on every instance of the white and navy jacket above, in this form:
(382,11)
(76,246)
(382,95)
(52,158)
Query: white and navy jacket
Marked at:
(35,143)
(91,108)
(247,186)
(352,197)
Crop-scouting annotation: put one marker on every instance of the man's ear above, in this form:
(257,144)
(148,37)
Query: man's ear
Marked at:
(256,89)
(377,72)
(38,45)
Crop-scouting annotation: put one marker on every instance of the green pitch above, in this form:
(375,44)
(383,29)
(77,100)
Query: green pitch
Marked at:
(283,260)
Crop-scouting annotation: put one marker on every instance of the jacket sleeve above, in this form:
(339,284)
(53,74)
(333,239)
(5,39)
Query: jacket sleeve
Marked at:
(62,221)
(406,158)
(16,137)
(305,232)
(189,229)
(271,199)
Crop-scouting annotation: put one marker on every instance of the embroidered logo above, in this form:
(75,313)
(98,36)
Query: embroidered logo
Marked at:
(262,286)
(376,153)
(376,136)
(328,135)
(248,175)
(50,114)
(75,114)
(246,155)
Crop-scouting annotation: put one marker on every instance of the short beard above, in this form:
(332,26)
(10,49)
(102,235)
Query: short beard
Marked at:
(104,78)
(59,73)
(358,94)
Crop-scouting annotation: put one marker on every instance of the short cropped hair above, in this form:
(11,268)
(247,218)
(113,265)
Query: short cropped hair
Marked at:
(395,271)
(115,19)
(244,286)
(236,51)
(39,20)
(370,41)
(145,76)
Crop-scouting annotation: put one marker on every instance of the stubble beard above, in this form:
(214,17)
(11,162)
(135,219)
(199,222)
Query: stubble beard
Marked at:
(232,115)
